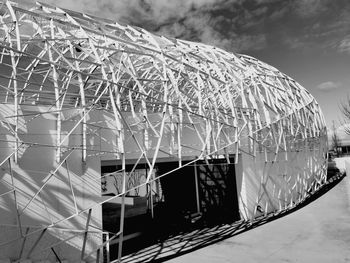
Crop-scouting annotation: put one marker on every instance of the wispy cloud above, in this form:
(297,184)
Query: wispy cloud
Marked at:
(235,25)
(206,29)
(328,86)
(342,45)
(308,8)
(223,23)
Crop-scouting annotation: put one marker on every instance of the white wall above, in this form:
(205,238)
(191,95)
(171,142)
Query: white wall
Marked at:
(55,201)
(262,181)
(275,184)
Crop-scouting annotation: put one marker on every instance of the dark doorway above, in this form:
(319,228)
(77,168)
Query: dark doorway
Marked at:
(200,194)
(179,191)
(207,188)
(218,190)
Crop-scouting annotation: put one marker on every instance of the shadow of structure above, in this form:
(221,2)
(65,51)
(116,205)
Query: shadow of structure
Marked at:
(187,237)
(206,201)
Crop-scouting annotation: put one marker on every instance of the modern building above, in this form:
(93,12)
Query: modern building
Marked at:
(103,123)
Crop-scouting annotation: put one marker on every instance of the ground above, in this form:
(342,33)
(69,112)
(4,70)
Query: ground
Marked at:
(318,232)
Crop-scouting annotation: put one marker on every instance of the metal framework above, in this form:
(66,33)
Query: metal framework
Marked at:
(92,80)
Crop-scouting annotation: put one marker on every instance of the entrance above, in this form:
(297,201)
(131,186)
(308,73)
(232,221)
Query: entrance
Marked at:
(205,188)
(202,193)
(218,190)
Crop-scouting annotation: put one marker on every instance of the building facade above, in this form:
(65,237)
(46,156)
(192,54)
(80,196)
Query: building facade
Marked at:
(103,122)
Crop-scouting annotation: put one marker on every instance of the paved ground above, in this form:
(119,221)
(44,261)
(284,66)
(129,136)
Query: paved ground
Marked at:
(318,232)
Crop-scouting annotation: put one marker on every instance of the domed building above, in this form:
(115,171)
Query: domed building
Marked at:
(103,123)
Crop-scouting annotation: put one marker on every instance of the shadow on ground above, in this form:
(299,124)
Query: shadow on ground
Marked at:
(189,240)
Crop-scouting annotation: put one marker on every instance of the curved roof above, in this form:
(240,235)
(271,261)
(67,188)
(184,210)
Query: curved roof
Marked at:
(73,59)
(135,95)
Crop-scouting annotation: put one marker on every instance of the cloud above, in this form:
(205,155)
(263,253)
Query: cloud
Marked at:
(342,45)
(163,10)
(235,25)
(222,23)
(212,22)
(203,28)
(328,86)
(250,42)
(157,11)
(316,28)
(295,42)
(308,8)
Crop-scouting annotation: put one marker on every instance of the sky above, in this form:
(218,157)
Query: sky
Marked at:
(309,40)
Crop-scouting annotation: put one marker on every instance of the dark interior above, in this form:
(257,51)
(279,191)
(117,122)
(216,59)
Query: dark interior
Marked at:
(178,210)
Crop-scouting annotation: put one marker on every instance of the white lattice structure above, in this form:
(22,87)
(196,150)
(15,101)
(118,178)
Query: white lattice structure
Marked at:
(76,90)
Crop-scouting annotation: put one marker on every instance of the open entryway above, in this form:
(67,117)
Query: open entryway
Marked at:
(201,193)
(203,189)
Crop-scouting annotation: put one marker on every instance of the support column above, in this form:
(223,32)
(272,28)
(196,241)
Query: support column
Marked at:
(122,213)
(85,234)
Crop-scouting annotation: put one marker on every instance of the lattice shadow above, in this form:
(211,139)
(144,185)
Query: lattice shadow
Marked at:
(189,241)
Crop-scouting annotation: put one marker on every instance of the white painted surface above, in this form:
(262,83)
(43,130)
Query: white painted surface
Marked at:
(274,183)
(55,202)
